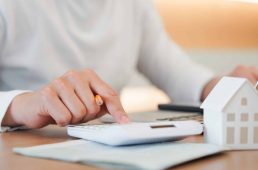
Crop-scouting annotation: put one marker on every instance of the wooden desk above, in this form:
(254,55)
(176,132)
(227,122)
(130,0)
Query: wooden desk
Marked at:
(9,161)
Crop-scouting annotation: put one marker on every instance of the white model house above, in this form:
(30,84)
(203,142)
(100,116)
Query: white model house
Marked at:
(231,114)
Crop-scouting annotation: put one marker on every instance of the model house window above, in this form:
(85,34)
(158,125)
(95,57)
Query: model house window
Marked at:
(243,135)
(244,101)
(244,117)
(255,134)
(230,135)
(231,117)
(256,117)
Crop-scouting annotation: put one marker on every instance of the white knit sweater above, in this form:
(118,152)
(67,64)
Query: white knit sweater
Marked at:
(41,40)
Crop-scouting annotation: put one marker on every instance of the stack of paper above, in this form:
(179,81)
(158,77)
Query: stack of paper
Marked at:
(143,157)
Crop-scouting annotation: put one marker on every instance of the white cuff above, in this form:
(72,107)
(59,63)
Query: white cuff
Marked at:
(6,99)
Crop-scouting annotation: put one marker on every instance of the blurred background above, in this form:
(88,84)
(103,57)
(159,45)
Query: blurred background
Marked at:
(220,34)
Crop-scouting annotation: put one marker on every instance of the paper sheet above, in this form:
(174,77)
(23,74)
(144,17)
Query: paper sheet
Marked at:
(138,157)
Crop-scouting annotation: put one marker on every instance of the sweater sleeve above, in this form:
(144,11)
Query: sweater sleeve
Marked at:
(166,65)
(6,99)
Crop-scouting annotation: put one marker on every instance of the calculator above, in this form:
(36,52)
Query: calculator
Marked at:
(137,132)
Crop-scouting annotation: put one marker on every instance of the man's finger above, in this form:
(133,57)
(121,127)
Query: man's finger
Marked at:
(66,92)
(55,108)
(102,112)
(86,95)
(110,97)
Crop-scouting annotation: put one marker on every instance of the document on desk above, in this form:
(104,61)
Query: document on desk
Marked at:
(156,156)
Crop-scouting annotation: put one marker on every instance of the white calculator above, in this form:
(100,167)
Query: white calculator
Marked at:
(136,133)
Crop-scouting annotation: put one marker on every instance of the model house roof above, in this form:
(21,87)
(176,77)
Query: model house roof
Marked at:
(224,91)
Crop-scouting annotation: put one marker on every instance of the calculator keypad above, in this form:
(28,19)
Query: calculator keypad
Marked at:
(198,118)
(92,127)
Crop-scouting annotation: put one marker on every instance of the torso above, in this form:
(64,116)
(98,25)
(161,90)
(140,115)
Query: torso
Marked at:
(44,39)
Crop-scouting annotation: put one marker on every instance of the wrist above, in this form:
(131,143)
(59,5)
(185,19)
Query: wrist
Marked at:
(13,115)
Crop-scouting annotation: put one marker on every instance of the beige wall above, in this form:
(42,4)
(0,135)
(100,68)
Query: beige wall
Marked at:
(211,23)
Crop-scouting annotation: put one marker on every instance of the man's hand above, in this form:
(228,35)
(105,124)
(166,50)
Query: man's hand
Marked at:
(250,73)
(67,100)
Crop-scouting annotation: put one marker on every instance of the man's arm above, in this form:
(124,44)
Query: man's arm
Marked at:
(250,73)
(168,67)
(6,98)
(68,99)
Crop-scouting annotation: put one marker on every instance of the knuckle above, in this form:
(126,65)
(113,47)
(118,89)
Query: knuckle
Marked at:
(94,109)
(110,93)
(89,71)
(91,105)
(47,93)
(64,120)
(75,77)
(71,73)
(60,83)
(79,113)
(91,101)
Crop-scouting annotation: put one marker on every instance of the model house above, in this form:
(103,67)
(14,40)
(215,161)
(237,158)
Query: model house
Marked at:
(231,114)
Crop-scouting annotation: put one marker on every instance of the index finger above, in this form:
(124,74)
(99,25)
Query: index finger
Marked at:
(110,97)
(116,109)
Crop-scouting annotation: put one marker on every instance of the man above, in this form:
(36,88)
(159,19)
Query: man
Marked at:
(101,42)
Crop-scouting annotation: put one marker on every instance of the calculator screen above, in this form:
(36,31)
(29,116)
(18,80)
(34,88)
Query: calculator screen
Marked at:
(162,126)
